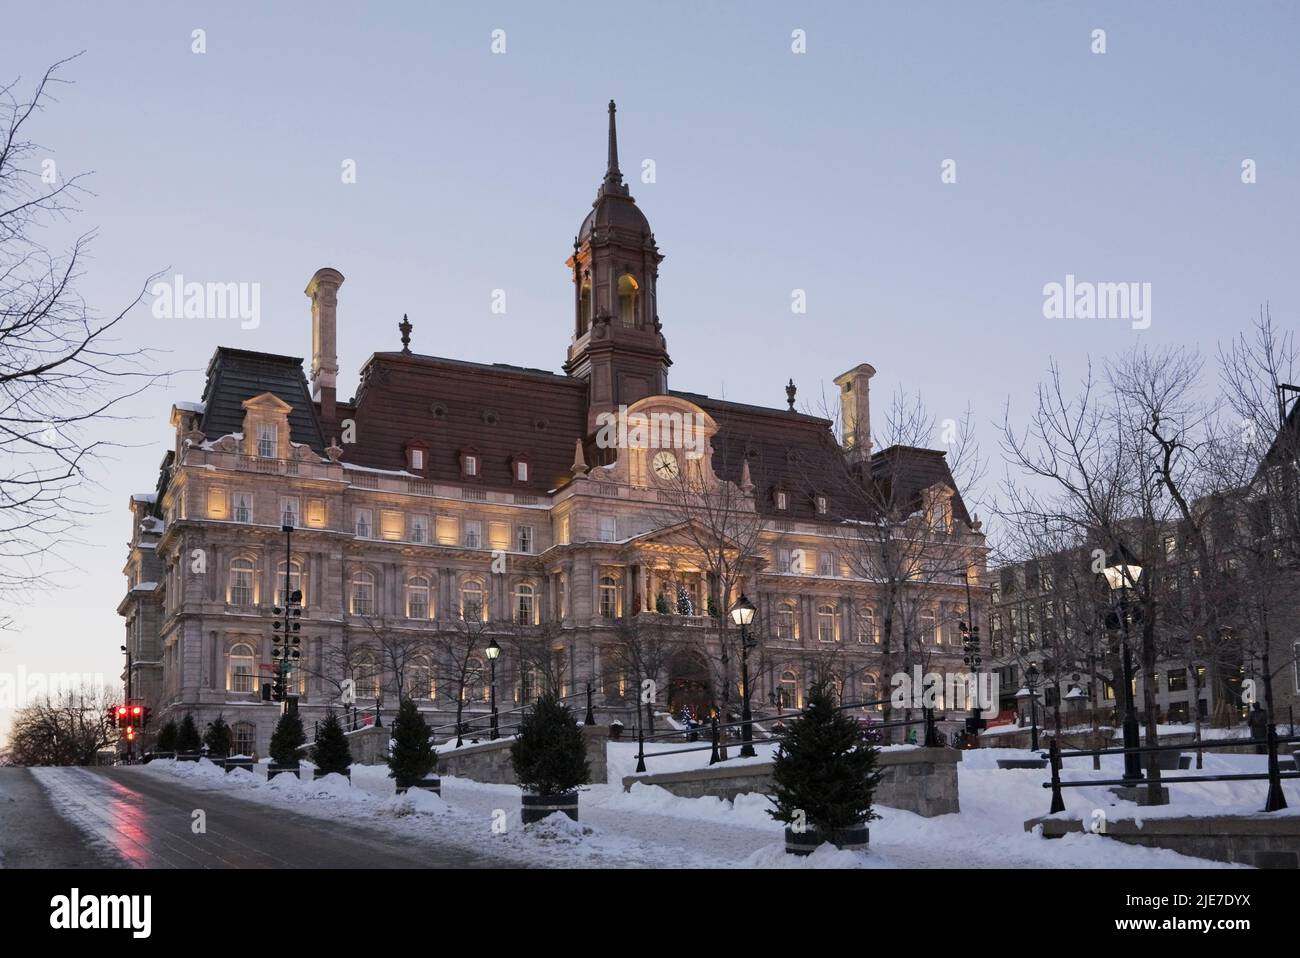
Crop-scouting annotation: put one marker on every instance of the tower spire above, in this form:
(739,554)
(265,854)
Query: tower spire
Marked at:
(613,176)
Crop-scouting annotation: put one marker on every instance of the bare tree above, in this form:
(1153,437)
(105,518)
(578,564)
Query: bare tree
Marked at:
(70,727)
(62,376)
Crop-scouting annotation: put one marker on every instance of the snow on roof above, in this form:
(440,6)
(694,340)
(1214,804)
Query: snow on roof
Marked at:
(386,472)
(145,586)
(144,497)
(198,407)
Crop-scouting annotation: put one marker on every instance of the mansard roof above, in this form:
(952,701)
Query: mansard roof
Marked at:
(237,375)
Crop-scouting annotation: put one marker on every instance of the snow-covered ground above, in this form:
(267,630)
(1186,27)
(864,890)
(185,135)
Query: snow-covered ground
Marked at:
(648,827)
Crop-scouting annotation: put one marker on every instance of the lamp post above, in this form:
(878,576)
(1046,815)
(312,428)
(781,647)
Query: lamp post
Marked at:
(129,748)
(1031,680)
(743,615)
(493,650)
(1122,574)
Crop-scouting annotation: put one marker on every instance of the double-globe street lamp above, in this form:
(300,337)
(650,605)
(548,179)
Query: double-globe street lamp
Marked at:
(493,650)
(743,615)
(1122,573)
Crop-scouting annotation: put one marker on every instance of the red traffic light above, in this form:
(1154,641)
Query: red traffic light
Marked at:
(136,710)
(121,710)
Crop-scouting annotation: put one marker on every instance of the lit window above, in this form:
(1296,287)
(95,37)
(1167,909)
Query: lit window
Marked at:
(266,440)
(241,582)
(627,300)
(785,624)
(789,692)
(363,594)
(928,628)
(867,634)
(294,581)
(524,605)
(417,598)
(608,598)
(241,668)
(826,624)
(471,602)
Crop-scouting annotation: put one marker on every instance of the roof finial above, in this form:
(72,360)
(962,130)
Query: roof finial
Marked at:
(613,175)
(405,327)
(790,390)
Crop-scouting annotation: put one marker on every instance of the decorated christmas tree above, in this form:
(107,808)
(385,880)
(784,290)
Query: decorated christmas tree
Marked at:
(167,737)
(187,736)
(684,604)
(825,771)
(412,756)
(548,755)
(286,739)
(218,738)
(331,752)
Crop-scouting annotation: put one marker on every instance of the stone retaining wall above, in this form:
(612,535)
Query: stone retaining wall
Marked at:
(490,761)
(920,780)
(1263,841)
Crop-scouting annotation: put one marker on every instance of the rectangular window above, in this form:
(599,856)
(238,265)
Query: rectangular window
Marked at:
(1177,680)
(525,540)
(821,505)
(781,500)
(783,561)
(419,529)
(499,535)
(316,513)
(448,530)
(471,465)
(608,529)
(417,458)
(266,440)
(241,507)
(289,511)
(825,563)
(365,524)
(392,525)
(216,503)
(563,535)
(929,631)
(473,534)
(521,471)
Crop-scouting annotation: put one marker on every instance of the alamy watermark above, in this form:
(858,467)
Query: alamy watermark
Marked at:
(956,691)
(654,430)
(181,300)
(20,688)
(1081,299)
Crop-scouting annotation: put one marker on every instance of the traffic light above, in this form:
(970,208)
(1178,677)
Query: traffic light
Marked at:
(970,644)
(121,716)
(137,716)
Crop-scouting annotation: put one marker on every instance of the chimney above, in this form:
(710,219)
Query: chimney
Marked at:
(855,411)
(323,290)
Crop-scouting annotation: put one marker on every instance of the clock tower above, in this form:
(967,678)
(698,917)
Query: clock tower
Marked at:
(618,345)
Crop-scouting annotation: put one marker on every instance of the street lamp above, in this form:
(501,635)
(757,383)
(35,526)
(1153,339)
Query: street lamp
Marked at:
(743,615)
(493,650)
(1122,573)
(1031,680)
(129,748)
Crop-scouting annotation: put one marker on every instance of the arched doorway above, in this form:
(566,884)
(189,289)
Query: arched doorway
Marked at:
(690,689)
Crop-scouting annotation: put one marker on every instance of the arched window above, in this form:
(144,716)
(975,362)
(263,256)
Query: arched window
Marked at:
(417,598)
(871,691)
(245,738)
(827,624)
(789,694)
(785,622)
(242,582)
(525,605)
(608,597)
(240,668)
(475,688)
(584,305)
(423,684)
(472,606)
(295,582)
(867,634)
(362,598)
(366,676)
(628,293)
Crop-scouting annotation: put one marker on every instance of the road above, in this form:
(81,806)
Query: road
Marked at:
(109,817)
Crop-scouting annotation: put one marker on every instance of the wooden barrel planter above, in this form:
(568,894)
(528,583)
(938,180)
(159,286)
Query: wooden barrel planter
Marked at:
(188,757)
(233,763)
(320,773)
(218,762)
(429,784)
(537,807)
(273,770)
(853,839)
(1022,763)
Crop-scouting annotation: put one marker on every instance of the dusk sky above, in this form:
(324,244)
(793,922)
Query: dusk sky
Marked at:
(775,171)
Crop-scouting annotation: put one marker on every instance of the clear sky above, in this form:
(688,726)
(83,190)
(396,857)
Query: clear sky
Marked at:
(775,171)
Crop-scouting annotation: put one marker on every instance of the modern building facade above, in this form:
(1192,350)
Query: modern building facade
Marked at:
(451,504)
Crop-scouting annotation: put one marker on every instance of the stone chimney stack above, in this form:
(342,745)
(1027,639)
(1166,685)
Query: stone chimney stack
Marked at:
(855,411)
(323,290)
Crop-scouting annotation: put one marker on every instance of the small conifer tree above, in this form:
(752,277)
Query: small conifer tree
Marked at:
(286,739)
(187,736)
(331,752)
(548,755)
(412,756)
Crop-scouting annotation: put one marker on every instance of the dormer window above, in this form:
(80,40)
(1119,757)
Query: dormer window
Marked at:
(819,501)
(781,499)
(266,440)
(417,459)
(521,471)
(471,465)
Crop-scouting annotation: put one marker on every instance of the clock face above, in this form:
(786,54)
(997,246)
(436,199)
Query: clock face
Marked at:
(664,465)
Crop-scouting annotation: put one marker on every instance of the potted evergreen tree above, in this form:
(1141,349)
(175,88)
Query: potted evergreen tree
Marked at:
(824,776)
(165,747)
(187,740)
(287,738)
(550,760)
(412,757)
(331,752)
(218,738)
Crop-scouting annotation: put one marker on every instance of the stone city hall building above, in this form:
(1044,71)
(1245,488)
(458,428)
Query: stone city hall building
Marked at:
(452,502)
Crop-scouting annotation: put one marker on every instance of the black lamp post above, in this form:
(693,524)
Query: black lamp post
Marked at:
(1122,573)
(493,650)
(1031,680)
(743,615)
(129,747)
